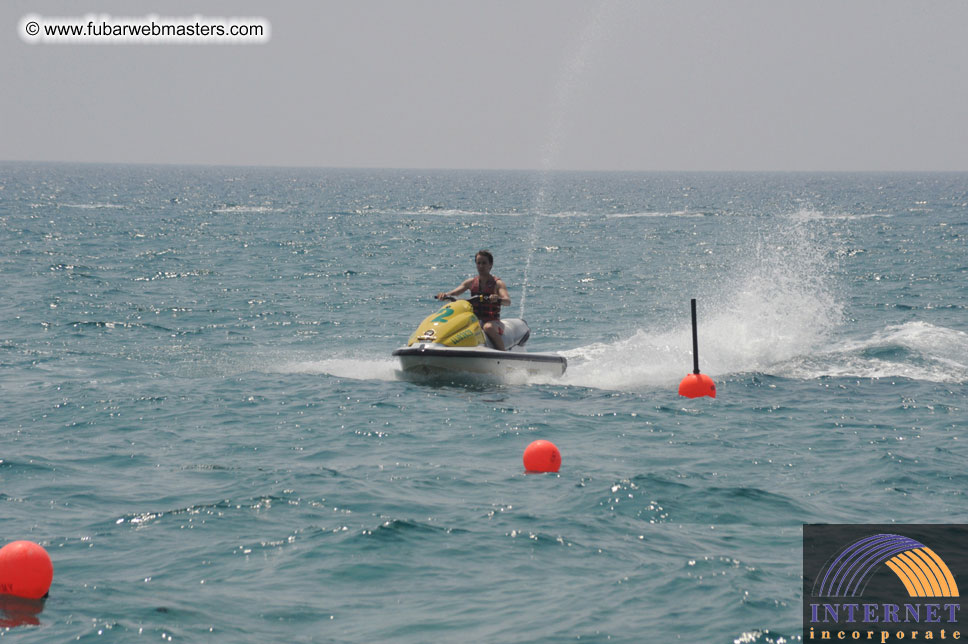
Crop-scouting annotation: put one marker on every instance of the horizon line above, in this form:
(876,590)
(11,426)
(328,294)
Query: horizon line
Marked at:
(255,166)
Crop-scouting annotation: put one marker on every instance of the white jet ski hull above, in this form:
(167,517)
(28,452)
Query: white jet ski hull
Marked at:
(432,359)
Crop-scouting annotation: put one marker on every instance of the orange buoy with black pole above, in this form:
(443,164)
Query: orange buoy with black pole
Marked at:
(696,384)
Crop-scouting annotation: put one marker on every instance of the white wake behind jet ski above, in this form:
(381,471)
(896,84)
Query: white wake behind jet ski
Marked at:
(452,340)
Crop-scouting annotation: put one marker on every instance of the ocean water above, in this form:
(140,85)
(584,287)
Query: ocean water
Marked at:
(201,421)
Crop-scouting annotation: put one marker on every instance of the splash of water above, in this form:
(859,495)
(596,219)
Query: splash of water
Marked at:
(777,303)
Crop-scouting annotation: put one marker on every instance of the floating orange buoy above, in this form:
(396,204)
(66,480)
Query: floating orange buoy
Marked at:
(696,384)
(25,570)
(542,456)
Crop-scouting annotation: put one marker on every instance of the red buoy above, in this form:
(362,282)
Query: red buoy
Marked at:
(696,384)
(542,456)
(25,570)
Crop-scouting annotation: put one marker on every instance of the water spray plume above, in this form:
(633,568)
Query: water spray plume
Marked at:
(696,385)
(567,86)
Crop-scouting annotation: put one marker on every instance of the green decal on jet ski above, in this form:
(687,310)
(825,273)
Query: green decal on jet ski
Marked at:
(444,314)
(463,335)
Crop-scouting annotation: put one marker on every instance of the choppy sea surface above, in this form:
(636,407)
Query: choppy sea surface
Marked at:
(201,422)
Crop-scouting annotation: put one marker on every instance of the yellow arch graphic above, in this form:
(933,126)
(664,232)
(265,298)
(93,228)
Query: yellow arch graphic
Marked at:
(923,573)
(940,583)
(929,586)
(904,569)
(946,572)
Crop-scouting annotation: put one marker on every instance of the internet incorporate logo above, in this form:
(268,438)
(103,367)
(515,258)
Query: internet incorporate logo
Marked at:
(909,591)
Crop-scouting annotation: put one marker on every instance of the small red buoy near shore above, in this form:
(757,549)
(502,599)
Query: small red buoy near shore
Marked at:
(25,570)
(542,456)
(696,384)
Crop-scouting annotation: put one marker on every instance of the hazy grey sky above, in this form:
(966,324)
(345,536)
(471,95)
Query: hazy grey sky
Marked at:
(546,84)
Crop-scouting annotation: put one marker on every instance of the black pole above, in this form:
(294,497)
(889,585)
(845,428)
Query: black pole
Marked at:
(695,340)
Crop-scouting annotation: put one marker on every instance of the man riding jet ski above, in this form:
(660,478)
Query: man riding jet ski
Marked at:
(470,336)
(488,295)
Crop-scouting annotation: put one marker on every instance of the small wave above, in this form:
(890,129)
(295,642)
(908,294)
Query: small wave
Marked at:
(443,211)
(645,214)
(655,498)
(145,518)
(237,210)
(167,275)
(108,324)
(914,350)
(401,530)
(92,206)
(656,214)
(434,211)
(440,211)
(816,215)
(70,267)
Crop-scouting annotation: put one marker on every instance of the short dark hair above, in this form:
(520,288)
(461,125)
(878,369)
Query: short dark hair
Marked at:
(487,254)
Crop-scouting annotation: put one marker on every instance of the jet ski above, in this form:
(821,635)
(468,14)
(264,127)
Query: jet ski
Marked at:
(452,340)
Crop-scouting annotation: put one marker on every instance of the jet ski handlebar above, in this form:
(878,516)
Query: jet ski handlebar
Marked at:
(451,298)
